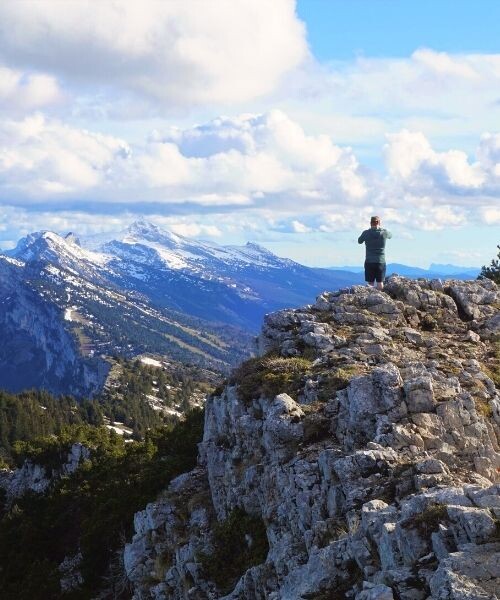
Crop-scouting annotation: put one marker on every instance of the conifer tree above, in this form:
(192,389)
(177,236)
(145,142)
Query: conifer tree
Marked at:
(492,271)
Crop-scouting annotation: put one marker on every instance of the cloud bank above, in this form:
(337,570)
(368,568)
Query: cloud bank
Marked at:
(265,166)
(175,54)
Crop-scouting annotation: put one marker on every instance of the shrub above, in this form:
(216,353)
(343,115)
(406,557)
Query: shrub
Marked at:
(483,408)
(270,375)
(239,542)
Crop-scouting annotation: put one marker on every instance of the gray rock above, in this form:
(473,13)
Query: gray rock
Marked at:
(395,496)
(420,395)
(375,592)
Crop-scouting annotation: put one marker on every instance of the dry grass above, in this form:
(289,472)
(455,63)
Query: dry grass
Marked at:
(270,375)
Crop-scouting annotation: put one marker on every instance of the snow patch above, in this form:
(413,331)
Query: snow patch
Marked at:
(150,361)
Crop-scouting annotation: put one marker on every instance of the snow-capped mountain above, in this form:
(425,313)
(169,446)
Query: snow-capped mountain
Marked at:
(62,313)
(182,253)
(234,285)
(230,284)
(143,290)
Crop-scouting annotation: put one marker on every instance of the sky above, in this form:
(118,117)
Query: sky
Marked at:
(283,123)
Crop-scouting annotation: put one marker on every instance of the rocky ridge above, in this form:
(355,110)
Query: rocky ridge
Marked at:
(365,439)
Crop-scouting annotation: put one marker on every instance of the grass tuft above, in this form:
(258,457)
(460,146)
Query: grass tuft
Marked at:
(270,375)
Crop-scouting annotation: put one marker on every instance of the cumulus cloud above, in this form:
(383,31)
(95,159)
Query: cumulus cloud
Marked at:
(298,227)
(445,96)
(489,153)
(174,53)
(411,159)
(41,158)
(249,160)
(426,79)
(490,215)
(261,166)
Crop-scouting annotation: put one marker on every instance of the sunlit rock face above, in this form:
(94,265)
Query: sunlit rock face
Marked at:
(365,438)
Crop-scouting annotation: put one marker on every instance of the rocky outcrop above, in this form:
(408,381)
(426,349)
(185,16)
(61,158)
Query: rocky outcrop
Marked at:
(35,477)
(375,473)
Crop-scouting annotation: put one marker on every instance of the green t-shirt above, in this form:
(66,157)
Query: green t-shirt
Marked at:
(375,239)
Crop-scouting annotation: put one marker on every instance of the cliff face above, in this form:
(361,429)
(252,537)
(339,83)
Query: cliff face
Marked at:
(36,350)
(365,440)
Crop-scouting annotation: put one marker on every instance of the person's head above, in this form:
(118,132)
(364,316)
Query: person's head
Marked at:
(375,222)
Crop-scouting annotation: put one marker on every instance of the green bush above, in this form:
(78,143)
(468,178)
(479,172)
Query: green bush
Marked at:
(270,375)
(239,542)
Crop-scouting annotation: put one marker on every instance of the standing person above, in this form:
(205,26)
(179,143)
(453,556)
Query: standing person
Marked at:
(375,239)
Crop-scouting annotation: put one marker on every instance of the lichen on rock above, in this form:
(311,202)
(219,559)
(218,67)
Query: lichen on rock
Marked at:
(370,455)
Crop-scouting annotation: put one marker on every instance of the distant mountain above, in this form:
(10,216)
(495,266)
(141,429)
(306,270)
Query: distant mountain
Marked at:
(435,271)
(454,270)
(231,284)
(71,302)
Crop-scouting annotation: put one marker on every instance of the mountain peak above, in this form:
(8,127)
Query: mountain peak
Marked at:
(50,246)
(32,245)
(149,231)
(258,247)
(142,226)
(72,238)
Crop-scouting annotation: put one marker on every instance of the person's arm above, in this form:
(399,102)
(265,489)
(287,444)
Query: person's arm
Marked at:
(387,234)
(361,238)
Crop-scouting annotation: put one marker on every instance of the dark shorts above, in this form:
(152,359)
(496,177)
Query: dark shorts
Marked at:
(374,272)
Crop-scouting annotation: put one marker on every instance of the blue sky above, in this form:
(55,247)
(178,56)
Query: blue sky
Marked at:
(342,29)
(283,123)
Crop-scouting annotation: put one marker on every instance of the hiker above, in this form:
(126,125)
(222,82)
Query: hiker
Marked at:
(375,238)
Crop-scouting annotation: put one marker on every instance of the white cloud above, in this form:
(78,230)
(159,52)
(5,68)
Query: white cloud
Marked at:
(175,53)
(491,215)
(41,158)
(489,153)
(449,97)
(263,166)
(21,92)
(411,160)
(263,159)
(194,229)
(298,227)
(445,65)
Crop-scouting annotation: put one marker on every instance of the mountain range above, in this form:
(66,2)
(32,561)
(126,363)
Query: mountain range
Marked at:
(68,303)
(435,271)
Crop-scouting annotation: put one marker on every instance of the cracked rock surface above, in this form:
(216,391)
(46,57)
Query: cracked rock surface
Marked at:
(375,473)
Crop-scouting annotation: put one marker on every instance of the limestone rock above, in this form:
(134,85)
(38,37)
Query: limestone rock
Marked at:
(377,479)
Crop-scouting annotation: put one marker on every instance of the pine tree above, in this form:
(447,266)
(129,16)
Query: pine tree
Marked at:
(492,271)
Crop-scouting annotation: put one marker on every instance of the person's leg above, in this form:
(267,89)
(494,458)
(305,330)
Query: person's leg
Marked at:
(381,277)
(369,274)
